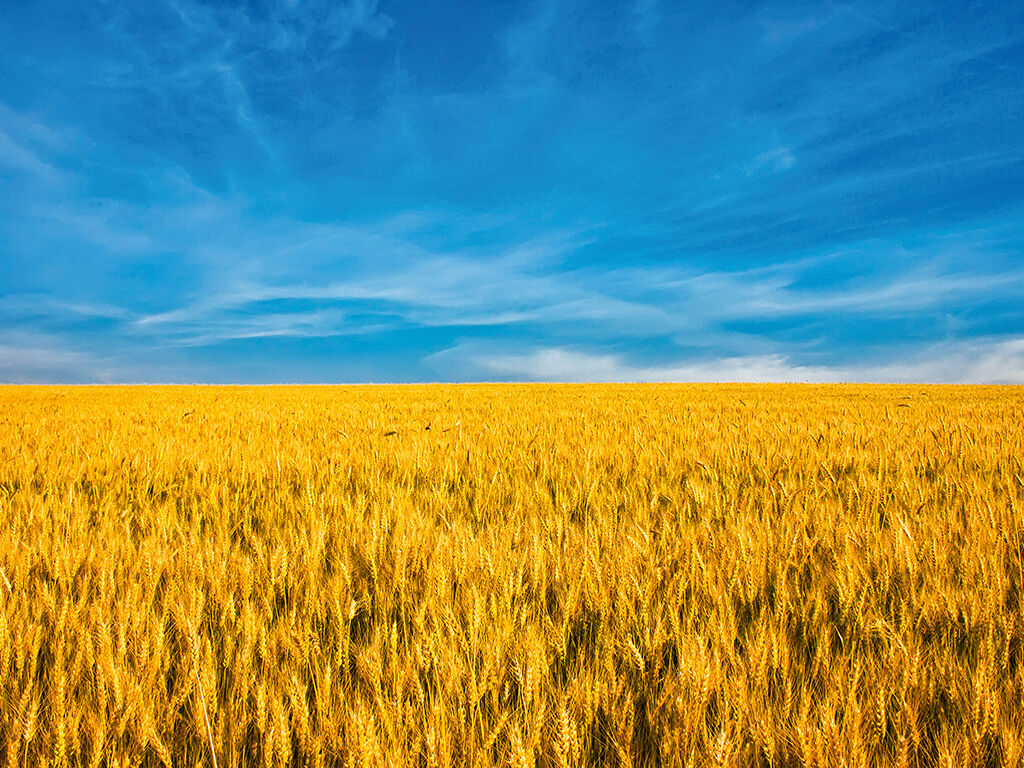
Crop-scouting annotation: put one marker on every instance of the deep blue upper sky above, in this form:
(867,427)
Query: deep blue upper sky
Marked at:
(409,190)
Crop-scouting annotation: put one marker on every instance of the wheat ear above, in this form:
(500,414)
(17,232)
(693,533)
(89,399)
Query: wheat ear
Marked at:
(206,715)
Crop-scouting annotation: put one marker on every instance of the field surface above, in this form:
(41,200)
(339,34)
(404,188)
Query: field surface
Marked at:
(524,575)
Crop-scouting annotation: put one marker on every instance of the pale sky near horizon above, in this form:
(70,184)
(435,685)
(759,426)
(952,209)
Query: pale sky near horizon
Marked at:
(550,190)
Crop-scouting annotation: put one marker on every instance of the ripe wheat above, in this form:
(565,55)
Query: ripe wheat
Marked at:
(528,575)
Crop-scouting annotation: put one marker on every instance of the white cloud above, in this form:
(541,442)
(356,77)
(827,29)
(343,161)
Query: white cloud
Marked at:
(770,292)
(389,274)
(264,282)
(983,362)
(559,364)
(777,159)
(27,358)
(43,305)
(20,158)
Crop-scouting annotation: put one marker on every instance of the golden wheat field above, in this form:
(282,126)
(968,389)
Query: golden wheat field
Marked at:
(514,575)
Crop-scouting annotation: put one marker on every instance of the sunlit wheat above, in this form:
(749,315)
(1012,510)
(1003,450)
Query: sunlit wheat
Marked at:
(476,576)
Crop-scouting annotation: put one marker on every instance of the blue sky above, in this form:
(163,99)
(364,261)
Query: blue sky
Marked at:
(556,190)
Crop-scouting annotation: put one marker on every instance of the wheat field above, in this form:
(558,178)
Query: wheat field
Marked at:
(514,575)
